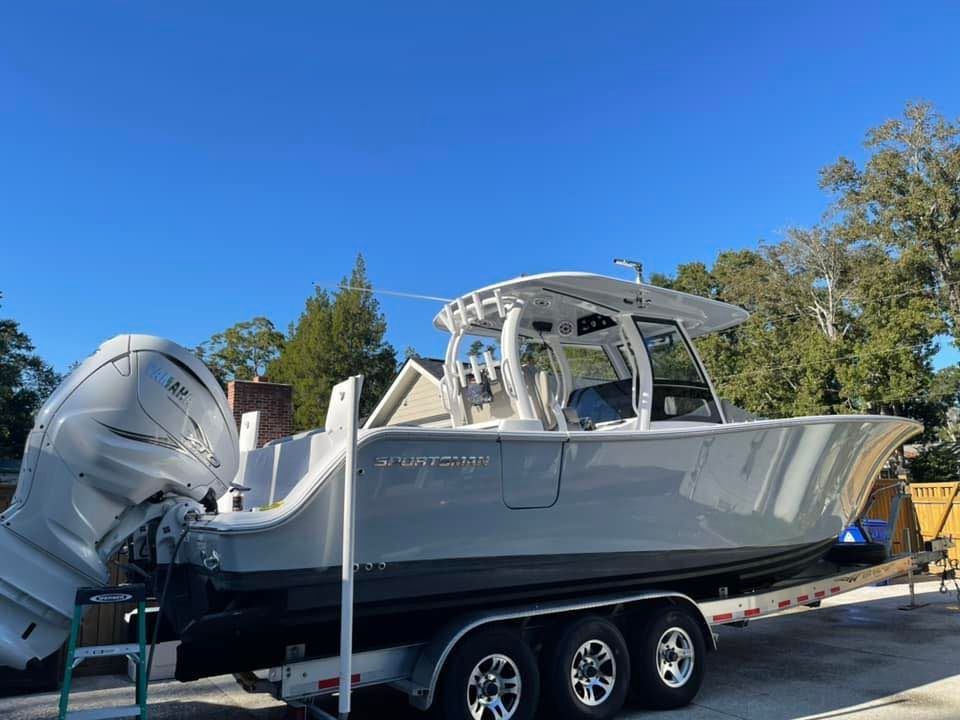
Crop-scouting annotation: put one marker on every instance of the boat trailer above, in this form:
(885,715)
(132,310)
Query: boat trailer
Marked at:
(416,669)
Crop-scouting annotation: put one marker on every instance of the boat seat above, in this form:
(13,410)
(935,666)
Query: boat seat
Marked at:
(572,418)
(541,386)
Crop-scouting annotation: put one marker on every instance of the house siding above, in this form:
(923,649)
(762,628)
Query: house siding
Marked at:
(420,406)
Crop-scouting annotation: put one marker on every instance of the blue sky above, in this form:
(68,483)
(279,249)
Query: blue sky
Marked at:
(178,167)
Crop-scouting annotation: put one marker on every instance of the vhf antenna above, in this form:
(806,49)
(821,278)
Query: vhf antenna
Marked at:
(636,266)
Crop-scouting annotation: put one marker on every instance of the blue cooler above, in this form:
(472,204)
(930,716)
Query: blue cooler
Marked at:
(879,533)
(878,529)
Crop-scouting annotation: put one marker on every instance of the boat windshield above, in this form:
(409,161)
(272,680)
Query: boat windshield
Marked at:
(680,388)
(589,365)
(603,403)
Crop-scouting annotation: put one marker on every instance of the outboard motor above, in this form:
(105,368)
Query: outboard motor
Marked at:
(139,425)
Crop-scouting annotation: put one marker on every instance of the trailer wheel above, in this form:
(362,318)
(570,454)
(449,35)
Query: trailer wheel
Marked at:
(587,670)
(668,655)
(492,675)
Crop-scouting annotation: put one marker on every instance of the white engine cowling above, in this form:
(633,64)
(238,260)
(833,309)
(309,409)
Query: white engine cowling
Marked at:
(139,421)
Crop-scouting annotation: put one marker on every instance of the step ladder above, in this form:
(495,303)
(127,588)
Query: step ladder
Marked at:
(137,652)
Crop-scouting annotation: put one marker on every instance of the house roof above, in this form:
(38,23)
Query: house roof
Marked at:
(430,365)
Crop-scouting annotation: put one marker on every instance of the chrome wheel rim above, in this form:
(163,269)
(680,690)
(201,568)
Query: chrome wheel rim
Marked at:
(593,672)
(493,690)
(675,657)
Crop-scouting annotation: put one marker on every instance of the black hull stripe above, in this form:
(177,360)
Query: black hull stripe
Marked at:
(267,611)
(443,577)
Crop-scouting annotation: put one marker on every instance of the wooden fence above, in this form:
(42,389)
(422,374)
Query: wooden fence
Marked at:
(938,510)
(906,525)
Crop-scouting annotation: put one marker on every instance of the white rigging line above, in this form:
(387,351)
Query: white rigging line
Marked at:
(377,291)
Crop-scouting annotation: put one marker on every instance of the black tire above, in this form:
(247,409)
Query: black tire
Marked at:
(679,682)
(458,691)
(605,656)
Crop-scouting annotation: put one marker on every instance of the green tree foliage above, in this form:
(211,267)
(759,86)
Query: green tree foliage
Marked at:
(936,463)
(478,346)
(891,340)
(242,351)
(589,363)
(535,353)
(336,336)
(772,365)
(906,198)
(940,410)
(833,340)
(25,382)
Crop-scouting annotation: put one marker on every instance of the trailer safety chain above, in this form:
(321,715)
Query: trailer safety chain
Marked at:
(950,573)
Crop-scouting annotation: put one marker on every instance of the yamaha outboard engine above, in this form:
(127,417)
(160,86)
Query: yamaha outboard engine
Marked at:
(138,426)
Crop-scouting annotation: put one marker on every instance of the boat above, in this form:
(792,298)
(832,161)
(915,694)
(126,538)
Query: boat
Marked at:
(582,450)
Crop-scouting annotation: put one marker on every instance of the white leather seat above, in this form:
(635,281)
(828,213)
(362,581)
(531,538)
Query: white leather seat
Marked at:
(541,386)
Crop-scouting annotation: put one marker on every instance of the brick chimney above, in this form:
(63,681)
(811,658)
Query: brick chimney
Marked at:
(273,400)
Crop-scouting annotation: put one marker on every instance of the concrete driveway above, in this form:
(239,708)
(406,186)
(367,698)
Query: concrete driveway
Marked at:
(859,656)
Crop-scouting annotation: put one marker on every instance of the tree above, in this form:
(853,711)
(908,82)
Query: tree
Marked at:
(337,335)
(242,351)
(772,365)
(906,198)
(25,382)
(939,408)
(829,333)
(477,347)
(891,341)
(821,264)
(937,463)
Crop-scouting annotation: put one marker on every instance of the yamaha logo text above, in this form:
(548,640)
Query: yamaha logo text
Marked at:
(178,391)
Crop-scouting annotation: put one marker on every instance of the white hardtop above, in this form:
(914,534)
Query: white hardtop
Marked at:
(576,294)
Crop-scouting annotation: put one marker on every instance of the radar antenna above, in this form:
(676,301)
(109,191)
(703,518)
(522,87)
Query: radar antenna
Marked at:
(636,266)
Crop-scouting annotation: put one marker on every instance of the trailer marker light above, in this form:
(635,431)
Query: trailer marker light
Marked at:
(723,618)
(803,598)
(819,593)
(335,681)
(835,589)
(784,603)
(752,612)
